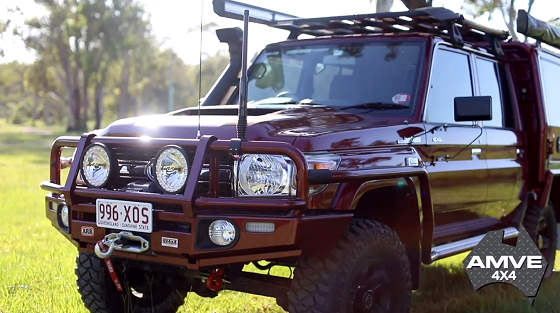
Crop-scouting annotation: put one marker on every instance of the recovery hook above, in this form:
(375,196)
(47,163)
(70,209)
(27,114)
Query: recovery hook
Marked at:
(106,251)
(215,280)
(123,241)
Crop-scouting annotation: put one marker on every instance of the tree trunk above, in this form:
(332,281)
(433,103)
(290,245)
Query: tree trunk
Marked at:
(85,97)
(383,5)
(125,80)
(35,110)
(510,15)
(417,4)
(98,104)
(80,121)
(98,98)
(77,108)
(512,19)
(64,57)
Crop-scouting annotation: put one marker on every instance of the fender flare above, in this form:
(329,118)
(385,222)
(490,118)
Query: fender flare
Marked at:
(407,173)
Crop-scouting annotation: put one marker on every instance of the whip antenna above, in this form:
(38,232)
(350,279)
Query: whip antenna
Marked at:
(242,116)
(198,135)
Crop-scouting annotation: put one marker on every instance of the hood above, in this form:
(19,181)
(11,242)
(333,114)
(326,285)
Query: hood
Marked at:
(309,128)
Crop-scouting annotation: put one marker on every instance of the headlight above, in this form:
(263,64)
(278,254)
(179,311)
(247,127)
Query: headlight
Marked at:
(264,175)
(222,232)
(96,165)
(171,169)
(274,175)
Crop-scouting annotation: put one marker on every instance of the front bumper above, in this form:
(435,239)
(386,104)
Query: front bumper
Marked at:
(291,236)
(295,233)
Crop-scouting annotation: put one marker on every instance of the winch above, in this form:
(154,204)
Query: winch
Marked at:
(123,241)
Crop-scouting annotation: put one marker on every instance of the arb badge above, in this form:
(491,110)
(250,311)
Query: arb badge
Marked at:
(493,261)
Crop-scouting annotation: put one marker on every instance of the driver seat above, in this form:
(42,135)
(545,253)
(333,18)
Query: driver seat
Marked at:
(344,88)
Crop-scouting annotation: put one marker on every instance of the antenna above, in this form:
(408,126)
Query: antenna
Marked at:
(242,116)
(198,133)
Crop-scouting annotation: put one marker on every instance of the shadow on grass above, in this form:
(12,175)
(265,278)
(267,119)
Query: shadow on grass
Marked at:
(447,289)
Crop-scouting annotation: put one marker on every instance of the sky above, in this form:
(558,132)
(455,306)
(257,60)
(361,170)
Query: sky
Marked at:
(173,18)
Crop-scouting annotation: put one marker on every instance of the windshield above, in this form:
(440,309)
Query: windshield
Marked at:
(379,76)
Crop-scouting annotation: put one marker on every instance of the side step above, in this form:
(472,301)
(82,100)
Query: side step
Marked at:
(452,248)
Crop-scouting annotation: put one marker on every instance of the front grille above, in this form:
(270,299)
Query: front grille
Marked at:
(132,171)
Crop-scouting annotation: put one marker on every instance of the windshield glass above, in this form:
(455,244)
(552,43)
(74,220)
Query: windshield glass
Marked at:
(378,76)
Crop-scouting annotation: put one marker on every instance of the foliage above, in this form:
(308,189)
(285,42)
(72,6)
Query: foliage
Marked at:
(96,61)
(385,5)
(506,8)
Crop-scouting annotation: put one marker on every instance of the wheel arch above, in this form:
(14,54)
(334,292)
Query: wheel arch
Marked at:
(394,202)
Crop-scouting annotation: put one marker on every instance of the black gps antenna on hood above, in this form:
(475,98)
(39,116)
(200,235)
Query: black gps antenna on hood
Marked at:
(235,147)
(242,116)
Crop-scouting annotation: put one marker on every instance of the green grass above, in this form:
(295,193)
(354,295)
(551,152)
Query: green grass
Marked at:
(37,264)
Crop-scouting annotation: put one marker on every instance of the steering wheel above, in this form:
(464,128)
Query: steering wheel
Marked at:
(287,94)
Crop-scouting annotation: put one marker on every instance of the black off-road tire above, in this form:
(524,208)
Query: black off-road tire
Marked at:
(100,295)
(324,285)
(534,220)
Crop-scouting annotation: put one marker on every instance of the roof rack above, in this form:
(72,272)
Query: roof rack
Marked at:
(433,20)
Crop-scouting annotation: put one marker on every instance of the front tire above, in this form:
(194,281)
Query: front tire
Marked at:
(367,271)
(100,295)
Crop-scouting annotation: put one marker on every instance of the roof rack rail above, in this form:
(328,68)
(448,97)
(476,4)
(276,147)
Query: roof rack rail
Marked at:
(433,20)
(537,29)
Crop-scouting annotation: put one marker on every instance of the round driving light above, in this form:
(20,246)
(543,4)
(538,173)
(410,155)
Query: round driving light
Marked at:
(171,169)
(262,174)
(222,232)
(64,215)
(96,165)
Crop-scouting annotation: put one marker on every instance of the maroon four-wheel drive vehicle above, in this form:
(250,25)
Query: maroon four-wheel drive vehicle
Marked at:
(379,143)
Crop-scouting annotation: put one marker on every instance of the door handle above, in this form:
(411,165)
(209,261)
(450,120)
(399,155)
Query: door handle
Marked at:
(476,151)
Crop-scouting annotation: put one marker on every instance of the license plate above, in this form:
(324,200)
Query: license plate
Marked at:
(124,215)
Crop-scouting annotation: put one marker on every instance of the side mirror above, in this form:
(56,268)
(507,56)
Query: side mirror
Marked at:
(471,109)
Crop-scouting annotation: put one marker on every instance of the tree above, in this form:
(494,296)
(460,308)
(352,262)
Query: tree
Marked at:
(386,5)
(417,4)
(506,8)
(3,27)
(85,37)
(100,52)
(382,5)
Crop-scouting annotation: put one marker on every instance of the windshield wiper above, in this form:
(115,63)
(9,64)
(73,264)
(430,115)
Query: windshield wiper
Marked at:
(268,102)
(377,106)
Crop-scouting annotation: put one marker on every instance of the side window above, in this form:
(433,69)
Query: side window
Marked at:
(551,75)
(451,77)
(490,86)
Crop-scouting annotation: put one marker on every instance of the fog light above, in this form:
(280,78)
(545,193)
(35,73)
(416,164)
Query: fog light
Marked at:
(221,232)
(64,215)
(259,227)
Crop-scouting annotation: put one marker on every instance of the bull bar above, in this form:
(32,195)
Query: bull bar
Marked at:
(295,232)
